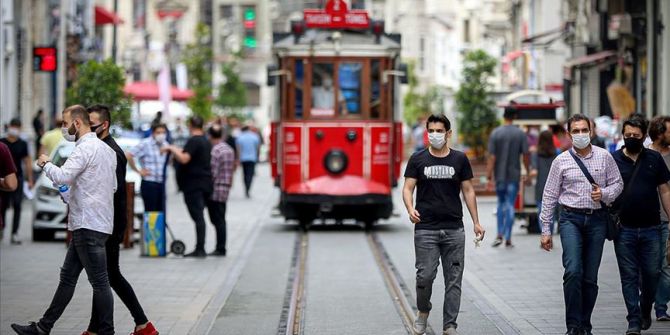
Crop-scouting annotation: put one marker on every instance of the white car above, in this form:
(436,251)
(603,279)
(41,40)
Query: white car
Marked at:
(49,211)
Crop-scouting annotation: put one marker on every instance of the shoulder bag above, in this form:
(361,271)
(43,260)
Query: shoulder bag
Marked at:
(613,219)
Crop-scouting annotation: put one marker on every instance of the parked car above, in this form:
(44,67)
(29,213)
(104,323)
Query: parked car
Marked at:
(49,211)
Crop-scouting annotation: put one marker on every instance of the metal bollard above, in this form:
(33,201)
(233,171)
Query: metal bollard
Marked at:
(130,215)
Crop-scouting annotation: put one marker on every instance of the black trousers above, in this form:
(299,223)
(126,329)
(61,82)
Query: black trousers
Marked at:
(120,285)
(13,199)
(153,196)
(248,169)
(195,202)
(85,252)
(217,214)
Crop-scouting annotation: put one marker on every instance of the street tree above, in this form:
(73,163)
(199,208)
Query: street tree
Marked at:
(417,104)
(475,107)
(198,59)
(101,83)
(232,92)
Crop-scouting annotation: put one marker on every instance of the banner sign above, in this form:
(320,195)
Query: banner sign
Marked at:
(336,15)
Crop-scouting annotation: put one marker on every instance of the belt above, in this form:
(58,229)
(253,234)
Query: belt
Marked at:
(586,211)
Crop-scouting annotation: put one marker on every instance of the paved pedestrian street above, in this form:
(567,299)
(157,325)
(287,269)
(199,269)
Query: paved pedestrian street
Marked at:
(505,291)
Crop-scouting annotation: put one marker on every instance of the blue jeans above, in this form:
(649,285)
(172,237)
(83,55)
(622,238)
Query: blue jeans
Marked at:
(637,253)
(582,238)
(85,252)
(663,289)
(431,246)
(507,192)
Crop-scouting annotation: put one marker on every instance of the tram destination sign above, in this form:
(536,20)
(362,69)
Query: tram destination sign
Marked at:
(336,16)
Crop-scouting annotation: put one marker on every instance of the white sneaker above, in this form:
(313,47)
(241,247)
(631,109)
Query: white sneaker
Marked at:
(15,239)
(420,323)
(450,331)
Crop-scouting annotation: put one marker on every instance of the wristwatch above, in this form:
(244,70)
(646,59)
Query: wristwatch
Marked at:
(44,164)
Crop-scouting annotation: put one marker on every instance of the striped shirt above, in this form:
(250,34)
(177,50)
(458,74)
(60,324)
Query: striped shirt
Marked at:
(222,164)
(568,186)
(150,157)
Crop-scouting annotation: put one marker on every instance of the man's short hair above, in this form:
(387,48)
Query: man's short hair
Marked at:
(78,112)
(196,122)
(215,132)
(578,117)
(15,122)
(510,113)
(434,118)
(103,110)
(658,126)
(158,125)
(636,121)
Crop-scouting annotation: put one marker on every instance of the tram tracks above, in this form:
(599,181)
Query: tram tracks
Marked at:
(292,320)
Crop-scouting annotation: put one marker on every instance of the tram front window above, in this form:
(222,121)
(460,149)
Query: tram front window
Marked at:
(323,91)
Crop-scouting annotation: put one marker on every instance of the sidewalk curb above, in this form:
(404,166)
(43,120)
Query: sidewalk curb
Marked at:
(209,314)
(506,318)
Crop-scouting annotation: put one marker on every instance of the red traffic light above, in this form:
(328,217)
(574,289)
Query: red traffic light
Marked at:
(45,59)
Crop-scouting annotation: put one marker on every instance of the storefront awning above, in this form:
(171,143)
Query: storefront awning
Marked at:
(148,90)
(588,61)
(103,16)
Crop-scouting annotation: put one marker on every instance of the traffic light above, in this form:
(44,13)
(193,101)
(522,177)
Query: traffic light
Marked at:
(45,59)
(249,21)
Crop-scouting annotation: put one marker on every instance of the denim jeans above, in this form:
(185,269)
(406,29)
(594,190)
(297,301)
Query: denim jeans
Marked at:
(85,252)
(637,253)
(153,196)
(430,246)
(507,192)
(120,286)
(248,169)
(663,288)
(582,238)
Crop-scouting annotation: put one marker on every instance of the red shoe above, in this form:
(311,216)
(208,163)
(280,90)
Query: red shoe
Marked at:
(85,333)
(148,330)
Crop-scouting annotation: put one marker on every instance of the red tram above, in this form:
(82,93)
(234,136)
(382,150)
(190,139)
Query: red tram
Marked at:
(336,139)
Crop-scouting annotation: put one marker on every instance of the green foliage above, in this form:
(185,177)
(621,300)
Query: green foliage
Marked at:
(232,93)
(197,58)
(477,115)
(415,104)
(101,83)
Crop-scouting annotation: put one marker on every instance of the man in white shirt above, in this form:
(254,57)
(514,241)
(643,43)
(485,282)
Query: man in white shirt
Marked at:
(89,173)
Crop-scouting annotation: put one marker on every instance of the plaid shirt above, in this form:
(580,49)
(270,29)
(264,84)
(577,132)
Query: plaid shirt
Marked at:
(223,164)
(567,185)
(149,155)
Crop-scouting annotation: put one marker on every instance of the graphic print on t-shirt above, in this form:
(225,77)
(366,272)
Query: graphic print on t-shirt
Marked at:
(439,172)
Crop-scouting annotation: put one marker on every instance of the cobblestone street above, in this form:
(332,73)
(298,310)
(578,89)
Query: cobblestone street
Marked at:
(506,291)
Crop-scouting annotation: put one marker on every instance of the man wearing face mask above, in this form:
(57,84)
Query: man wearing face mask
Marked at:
(153,161)
(439,175)
(100,122)
(19,149)
(90,174)
(638,246)
(583,220)
(323,97)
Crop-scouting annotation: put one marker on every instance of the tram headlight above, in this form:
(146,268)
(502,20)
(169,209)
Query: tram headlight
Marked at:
(335,161)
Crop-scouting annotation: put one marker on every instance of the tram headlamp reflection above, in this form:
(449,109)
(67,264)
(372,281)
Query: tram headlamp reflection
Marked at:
(335,161)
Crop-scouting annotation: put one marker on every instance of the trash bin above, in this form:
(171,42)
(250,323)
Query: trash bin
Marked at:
(152,235)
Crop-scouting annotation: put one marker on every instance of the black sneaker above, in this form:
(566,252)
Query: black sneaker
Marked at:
(217,253)
(197,254)
(633,331)
(662,317)
(646,321)
(573,331)
(30,329)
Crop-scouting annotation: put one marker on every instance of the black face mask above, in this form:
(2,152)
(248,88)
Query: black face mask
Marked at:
(634,145)
(95,129)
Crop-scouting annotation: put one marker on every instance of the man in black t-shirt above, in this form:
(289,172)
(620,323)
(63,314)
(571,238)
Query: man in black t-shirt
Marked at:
(195,178)
(23,163)
(638,246)
(439,175)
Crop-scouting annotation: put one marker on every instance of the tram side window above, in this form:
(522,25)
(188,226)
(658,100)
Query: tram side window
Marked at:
(299,77)
(323,91)
(350,86)
(375,89)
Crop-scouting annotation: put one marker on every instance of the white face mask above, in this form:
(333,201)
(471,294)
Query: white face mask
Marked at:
(437,140)
(160,138)
(327,83)
(66,135)
(581,141)
(14,132)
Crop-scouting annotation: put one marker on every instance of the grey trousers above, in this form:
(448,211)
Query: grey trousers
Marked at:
(430,246)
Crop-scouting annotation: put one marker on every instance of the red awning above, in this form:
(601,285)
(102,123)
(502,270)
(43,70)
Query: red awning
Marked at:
(587,61)
(103,16)
(148,90)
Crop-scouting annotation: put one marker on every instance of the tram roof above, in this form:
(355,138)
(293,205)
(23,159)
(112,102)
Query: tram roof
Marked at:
(318,42)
